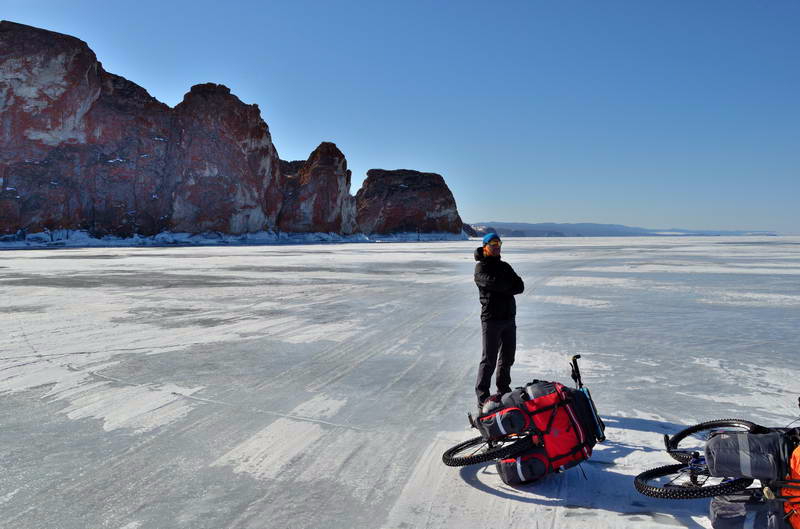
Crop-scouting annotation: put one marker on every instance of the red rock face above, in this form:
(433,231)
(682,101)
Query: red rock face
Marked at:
(406,201)
(81,148)
(48,83)
(227,177)
(122,171)
(317,196)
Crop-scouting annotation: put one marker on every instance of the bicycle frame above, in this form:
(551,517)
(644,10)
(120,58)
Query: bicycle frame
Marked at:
(599,425)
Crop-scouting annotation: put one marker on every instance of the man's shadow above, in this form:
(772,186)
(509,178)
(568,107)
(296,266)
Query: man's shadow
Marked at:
(596,485)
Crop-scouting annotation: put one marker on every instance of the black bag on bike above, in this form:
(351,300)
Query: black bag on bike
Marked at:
(501,420)
(747,455)
(585,415)
(746,511)
(525,467)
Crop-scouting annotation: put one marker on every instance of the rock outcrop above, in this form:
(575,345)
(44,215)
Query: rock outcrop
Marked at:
(63,162)
(317,194)
(81,148)
(406,201)
(227,167)
(469,230)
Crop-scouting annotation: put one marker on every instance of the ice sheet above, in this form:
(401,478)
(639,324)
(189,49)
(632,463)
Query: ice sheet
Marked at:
(317,385)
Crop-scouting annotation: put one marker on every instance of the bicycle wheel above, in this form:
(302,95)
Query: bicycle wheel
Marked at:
(479,450)
(693,438)
(682,482)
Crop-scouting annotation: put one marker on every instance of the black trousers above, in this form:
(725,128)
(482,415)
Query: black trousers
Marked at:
(499,336)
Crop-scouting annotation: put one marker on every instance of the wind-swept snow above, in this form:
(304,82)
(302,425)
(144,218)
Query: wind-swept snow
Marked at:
(309,386)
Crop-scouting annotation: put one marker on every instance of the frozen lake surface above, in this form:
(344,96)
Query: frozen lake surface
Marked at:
(316,386)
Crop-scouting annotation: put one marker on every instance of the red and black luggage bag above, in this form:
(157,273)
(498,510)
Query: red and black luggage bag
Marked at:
(562,418)
(559,419)
(502,418)
(526,467)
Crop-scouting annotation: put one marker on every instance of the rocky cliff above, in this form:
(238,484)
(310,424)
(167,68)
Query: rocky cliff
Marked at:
(405,201)
(227,167)
(82,148)
(317,194)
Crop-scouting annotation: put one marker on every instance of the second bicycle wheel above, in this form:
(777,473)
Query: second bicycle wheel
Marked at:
(682,482)
(693,438)
(479,450)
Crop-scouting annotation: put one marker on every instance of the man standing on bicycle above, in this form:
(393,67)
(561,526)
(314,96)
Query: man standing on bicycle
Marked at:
(497,285)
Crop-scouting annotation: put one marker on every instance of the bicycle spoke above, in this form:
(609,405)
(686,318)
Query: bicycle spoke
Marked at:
(671,483)
(478,449)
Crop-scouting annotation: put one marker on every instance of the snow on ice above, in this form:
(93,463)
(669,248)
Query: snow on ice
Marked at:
(235,382)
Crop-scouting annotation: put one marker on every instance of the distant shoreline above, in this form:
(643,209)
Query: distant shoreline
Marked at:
(81,239)
(69,239)
(589,229)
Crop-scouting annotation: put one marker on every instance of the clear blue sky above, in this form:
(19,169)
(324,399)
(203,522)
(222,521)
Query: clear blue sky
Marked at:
(671,113)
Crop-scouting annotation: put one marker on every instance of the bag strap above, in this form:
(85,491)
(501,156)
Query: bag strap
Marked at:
(578,448)
(552,418)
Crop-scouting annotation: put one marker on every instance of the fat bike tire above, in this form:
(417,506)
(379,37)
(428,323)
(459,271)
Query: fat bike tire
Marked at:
(673,443)
(641,482)
(470,453)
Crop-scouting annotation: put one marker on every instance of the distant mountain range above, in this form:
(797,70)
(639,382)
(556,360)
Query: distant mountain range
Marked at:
(587,229)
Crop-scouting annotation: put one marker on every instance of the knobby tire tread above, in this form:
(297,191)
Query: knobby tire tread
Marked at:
(684,493)
(451,459)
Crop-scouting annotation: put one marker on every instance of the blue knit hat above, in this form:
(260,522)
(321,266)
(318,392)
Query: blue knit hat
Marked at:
(489,237)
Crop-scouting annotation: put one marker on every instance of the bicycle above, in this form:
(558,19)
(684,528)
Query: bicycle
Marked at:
(482,449)
(692,478)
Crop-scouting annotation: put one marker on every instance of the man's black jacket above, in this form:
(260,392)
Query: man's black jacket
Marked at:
(497,284)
